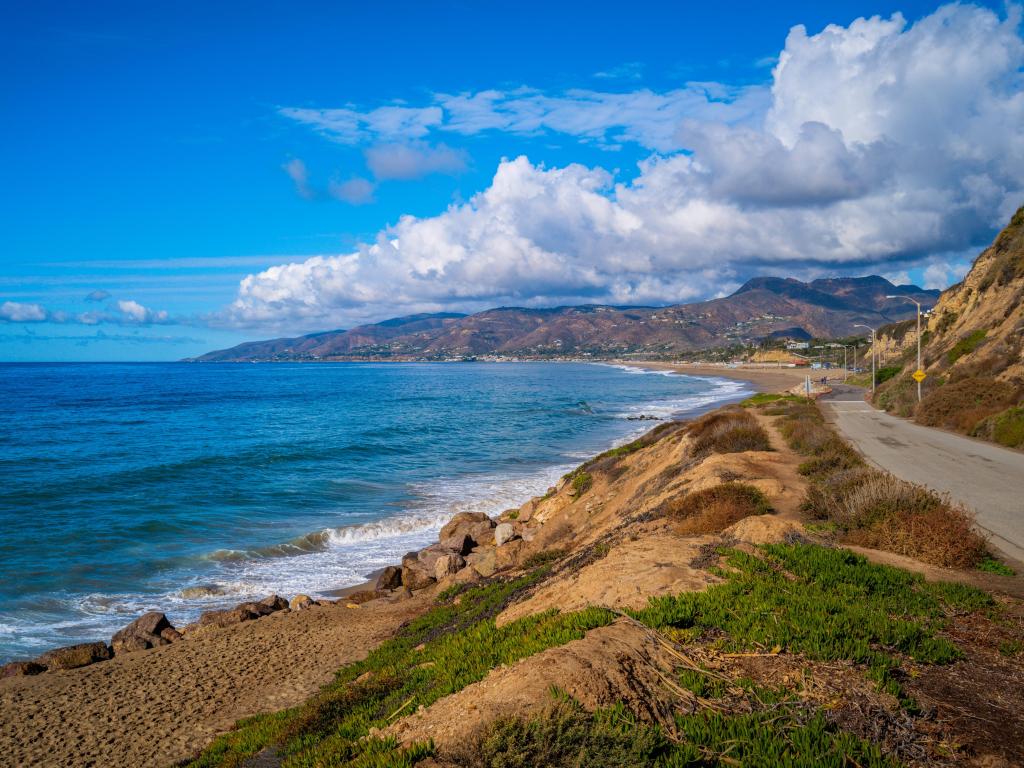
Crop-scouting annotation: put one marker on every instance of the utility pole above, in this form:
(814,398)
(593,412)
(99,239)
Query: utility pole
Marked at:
(873,345)
(918,374)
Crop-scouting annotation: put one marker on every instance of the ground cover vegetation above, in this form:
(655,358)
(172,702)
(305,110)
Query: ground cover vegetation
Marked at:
(812,603)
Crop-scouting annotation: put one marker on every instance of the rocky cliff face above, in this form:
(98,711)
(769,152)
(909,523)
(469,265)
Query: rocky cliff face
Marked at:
(972,349)
(762,307)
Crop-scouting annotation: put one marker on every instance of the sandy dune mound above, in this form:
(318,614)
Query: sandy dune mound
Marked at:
(620,662)
(630,574)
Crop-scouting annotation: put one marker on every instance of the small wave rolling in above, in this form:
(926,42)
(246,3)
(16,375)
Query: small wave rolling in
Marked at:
(181,487)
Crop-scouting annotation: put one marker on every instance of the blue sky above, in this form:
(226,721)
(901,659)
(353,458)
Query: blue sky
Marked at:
(156,155)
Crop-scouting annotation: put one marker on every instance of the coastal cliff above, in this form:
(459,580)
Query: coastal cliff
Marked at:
(739,589)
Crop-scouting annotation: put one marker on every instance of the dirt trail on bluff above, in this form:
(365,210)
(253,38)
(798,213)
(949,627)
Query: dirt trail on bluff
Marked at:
(158,707)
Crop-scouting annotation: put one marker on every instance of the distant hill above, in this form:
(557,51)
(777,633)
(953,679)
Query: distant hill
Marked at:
(762,307)
(972,349)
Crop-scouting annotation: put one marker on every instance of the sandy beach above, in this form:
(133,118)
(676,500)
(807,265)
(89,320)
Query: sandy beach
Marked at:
(159,707)
(764,379)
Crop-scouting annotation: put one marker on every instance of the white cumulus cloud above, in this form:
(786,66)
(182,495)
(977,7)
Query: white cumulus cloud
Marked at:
(876,146)
(20,312)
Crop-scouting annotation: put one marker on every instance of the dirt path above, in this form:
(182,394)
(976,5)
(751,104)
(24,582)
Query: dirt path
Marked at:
(158,707)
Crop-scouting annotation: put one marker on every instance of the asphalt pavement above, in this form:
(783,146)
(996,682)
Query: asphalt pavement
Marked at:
(984,477)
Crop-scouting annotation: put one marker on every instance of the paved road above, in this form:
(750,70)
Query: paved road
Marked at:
(984,477)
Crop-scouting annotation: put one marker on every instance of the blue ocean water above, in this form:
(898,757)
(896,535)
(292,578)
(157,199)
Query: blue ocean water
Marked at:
(129,487)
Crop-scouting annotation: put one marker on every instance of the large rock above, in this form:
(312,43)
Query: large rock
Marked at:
(485,562)
(227,617)
(448,565)
(21,668)
(503,533)
(274,603)
(474,526)
(389,578)
(74,656)
(510,555)
(302,602)
(526,511)
(417,574)
(147,631)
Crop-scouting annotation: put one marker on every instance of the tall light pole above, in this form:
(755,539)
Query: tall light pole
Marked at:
(873,346)
(918,305)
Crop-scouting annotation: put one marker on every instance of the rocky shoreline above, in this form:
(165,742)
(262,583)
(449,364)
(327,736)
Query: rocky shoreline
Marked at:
(471,547)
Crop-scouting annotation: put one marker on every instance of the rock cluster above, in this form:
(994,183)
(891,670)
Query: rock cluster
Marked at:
(470,547)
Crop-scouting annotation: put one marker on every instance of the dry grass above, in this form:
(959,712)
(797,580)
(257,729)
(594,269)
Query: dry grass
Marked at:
(873,508)
(715,509)
(727,430)
(963,404)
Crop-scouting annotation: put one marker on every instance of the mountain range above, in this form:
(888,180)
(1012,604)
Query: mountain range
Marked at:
(762,307)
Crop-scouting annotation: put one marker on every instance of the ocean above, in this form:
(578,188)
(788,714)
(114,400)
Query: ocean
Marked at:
(183,487)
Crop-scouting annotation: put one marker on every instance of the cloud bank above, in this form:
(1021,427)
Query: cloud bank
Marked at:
(122,312)
(875,145)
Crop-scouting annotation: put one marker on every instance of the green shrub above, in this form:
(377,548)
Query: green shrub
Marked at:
(1005,427)
(966,345)
(828,604)
(764,398)
(887,372)
(991,565)
(581,482)
(566,736)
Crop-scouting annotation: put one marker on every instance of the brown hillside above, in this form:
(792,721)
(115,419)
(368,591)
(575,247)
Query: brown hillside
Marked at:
(972,349)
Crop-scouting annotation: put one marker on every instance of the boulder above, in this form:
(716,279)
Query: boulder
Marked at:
(416,574)
(504,533)
(274,603)
(526,511)
(460,542)
(21,668)
(302,602)
(389,578)
(260,609)
(145,632)
(74,656)
(474,525)
(485,562)
(448,565)
(227,617)
(171,635)
(510,555)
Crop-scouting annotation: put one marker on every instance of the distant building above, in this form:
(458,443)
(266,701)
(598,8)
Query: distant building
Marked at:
(791,344)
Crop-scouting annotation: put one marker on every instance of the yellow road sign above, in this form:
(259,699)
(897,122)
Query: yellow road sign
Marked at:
(918,375)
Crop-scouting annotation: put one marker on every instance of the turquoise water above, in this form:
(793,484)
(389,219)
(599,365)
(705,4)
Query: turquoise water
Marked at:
(184,487)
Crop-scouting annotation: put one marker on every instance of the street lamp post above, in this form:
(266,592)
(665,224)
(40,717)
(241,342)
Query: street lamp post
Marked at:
(918,305)
(873,346)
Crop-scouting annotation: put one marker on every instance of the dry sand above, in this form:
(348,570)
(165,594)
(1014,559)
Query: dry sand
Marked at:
(158,707)
(764,379)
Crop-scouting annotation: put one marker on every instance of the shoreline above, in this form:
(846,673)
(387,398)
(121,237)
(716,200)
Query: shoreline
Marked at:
(340,592)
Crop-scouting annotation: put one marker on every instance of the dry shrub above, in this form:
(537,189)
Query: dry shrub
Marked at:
(806,436)
(827,492)
(834,455)
(950,406)
(884,512)
(729,430)
(714,509)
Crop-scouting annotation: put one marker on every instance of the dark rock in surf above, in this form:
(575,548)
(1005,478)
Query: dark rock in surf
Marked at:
(389,578)
(21,669)
(74,656)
